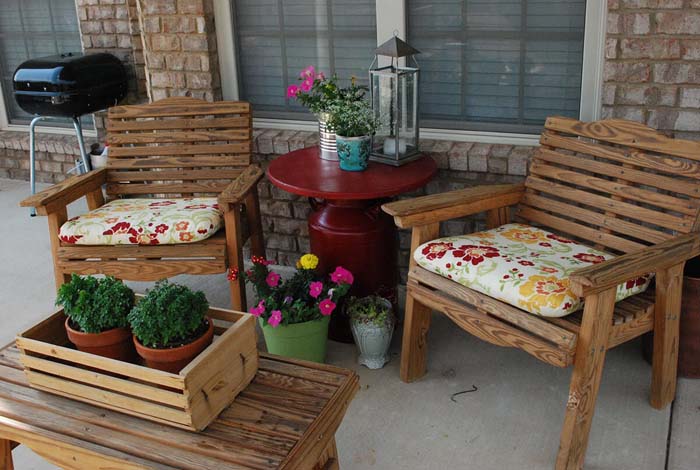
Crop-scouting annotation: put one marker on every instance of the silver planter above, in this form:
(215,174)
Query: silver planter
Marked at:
(373,342)
(326,139)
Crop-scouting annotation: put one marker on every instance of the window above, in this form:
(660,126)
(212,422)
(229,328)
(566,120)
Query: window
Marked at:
(29,29)
(278,38)
(487,66)
(497,64)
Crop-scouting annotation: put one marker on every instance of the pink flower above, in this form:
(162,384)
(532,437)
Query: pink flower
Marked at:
(275,318)
(259,310)
(320,76)
(307,84)
(292,91)
(342,276)
(315,289)
(308,72)
(272,279)
(326,307)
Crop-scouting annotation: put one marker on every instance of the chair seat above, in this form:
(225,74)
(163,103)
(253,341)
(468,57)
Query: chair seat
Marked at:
(524,266)
(145,222)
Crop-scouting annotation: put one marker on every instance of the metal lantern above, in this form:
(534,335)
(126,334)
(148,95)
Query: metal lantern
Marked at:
(394,95)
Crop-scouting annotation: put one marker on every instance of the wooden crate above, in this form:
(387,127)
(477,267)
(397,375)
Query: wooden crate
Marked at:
(191,399)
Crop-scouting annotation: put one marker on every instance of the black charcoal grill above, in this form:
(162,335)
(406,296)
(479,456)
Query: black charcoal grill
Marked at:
(68,86)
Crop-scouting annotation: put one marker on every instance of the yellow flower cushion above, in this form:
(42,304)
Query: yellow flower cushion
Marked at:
(145,222)
(524,266)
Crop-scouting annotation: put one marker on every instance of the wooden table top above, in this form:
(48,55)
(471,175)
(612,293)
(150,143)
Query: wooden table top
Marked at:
(276,422)
(304,173)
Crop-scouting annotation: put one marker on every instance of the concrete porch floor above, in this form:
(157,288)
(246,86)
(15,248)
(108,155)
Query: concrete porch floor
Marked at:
(512,421)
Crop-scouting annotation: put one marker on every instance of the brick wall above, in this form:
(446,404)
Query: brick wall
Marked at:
(652,67)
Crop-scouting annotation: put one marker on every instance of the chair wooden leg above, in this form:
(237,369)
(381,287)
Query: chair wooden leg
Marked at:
(585,381)
(234,251)
(56,219)
(257,243)
(6,455)
(414,345)
(667,312)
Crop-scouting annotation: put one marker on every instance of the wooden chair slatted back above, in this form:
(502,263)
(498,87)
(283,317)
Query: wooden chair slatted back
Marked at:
(177,146)
(617,184)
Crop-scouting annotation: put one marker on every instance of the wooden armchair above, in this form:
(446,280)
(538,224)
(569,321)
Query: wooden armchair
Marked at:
(175,147)
(613,185)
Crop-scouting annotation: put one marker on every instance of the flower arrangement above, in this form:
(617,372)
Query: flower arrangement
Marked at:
(352,118)
(304,297)
(319,93)
(373,310)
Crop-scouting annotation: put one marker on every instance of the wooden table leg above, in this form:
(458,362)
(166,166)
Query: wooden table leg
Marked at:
(6,455)
(329,458)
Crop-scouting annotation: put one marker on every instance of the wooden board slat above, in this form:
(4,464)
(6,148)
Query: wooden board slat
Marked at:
(171,109)
(169,175)
(627,133)
(175,150)
(151,270)
(163,137)
(632,211)
(213,247)
(116,126)
(664,164)
(617,188)
(179,162)
(154,187)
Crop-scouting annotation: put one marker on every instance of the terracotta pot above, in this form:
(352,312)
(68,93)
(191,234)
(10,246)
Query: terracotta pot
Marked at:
(115,343)
(175,359)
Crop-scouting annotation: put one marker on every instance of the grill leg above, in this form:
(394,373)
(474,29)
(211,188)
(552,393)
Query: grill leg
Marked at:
(86,167)
(32,158)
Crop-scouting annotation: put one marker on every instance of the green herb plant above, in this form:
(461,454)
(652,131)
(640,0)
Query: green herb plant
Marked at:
(95,305)
(352,118)
(168,316)
(372,309)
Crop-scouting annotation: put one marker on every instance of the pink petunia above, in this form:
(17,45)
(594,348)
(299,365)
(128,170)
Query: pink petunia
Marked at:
(320,76)
(326,307)
(292,91)
(307,84)
(259,310)
(342,276)
(272,279)
(315,289)
(309,71)
(275,318)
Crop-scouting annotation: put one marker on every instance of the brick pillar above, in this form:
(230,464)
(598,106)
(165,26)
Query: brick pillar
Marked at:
(179,45)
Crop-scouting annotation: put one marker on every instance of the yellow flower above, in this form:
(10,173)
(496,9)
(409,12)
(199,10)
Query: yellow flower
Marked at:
(309,261)
(545,291)
(524,235)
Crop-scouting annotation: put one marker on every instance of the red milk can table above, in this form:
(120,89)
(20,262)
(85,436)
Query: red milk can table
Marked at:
(347,226)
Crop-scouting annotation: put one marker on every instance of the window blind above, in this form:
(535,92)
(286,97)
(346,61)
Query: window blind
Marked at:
(276,39)
(31,29)
(497,65)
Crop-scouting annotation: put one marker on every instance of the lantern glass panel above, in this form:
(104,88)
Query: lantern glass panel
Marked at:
(394,100)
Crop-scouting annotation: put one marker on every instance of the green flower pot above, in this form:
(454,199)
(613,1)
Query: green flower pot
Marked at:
(305,341)
(353,152)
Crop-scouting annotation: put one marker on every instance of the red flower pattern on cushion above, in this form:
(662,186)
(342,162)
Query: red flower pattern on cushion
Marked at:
(636,282)
(560,239)
(71,239)
(589,258)
(196,206)
(161,204)
(437,250)
(120,228)
(144,239)
(161,228)
(476,253)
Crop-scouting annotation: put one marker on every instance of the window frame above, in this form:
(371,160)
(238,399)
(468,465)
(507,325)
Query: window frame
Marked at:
(392,18)
(5,124)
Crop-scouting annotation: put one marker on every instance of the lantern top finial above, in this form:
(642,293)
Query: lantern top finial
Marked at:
(395,47)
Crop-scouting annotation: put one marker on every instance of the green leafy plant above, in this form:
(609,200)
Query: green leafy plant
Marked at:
(318,92)
(95,305)
(372,309)
(352,118)
(170,315)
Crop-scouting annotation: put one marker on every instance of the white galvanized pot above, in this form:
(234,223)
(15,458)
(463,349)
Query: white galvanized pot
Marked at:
(373,342)
(326,140)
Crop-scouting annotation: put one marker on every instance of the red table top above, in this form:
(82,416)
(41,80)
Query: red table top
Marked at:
(303,172)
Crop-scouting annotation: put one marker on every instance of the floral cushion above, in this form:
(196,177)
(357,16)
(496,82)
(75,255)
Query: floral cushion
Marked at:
(524,266)
(145,222)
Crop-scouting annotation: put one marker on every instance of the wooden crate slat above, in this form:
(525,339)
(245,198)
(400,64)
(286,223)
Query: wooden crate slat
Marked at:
(177,137)
(198,161)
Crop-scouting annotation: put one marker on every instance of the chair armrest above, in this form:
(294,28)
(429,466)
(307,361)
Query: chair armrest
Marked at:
(607,274)
(241,186)
(65,192)
(453,204)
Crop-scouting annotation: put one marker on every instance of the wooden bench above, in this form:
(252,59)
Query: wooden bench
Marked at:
(285,419)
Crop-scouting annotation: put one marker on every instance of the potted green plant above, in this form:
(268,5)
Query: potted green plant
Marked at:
(372,323)
(96,311)
(354,123)
(294,313)
(170,326)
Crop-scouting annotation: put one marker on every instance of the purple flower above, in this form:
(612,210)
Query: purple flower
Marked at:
(288,299)
(275,318)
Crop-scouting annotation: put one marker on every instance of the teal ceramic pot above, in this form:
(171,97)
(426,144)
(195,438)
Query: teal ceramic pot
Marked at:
(353,152)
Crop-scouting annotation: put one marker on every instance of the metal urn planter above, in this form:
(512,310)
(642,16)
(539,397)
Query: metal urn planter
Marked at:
(326,139)
(373,341)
